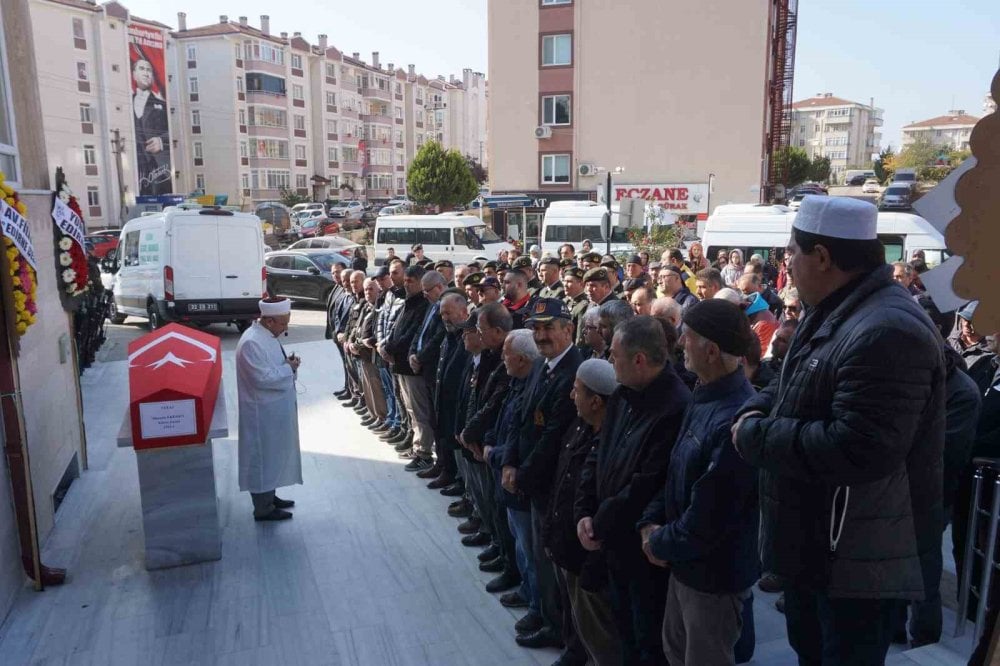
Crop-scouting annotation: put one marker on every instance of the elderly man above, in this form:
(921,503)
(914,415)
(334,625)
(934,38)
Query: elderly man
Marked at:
(703,525)
(791,306)
(461,272)
(622,476)
(414,391)
(598,284)
(752,283)
(268,454)
(352,366)
(972,346)
(383,306)
(633,267)
(528,468)
(612,314)
(516,296)
(391,308)
(642,300)
(489,290)
(849,442)
(593,344)
(361,343)
(904,274)
(674,257)
(567,251)
(668,309)
(552,287)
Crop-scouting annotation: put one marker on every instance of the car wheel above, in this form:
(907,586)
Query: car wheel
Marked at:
(114,315)
(153,314)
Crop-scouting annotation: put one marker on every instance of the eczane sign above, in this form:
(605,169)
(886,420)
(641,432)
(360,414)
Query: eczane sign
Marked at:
(679,199)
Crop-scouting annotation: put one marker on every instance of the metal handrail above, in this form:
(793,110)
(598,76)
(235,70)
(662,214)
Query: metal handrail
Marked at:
(988,553)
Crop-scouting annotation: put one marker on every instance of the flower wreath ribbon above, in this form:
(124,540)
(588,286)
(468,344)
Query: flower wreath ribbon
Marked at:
(15,227)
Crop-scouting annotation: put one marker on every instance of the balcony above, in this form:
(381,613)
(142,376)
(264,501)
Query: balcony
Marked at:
(349,113)
(300,103)
(332,136)
(378,143)
(333,164)
(331,108)
(332,80)
(264,66)
(379,193)
(270,162)
(376,118)
(351,166)
(264,130)
(266,97)
(380,168)
(376,93)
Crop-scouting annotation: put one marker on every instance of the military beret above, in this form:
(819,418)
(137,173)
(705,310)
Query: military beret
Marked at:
(548,261)
(489,281)
(592,257)
(576,272)
(426,263)
(564,263)
(474,265)
(524,261)
(492,264)
(472,279)
(503,267)
(597,275)
(609,262)
(634,283)
(444,263)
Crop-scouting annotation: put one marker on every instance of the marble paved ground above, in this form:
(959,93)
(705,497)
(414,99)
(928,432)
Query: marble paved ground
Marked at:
(369,572)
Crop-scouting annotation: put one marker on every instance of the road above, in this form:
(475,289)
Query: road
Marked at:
(308,325)
(853,192)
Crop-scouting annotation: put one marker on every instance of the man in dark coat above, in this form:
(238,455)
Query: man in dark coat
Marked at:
(152,136)
(703,526)
(622,476)
(524,266)
(529,467)
(552,287)
(849,442)
(397,346)
(516,297)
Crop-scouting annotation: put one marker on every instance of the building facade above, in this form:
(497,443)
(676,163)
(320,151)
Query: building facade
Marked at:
(572,98)
(952,130)
(232,110)
(845,132)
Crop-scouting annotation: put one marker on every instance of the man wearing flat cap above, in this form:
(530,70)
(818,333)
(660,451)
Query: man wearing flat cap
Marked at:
(849,443)
(633,267)
(447,269)
(268,454)
(552,287)
(610,263)
(707,537)
(489,290)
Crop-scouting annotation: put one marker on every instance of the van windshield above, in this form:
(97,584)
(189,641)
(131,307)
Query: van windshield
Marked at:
(485,234)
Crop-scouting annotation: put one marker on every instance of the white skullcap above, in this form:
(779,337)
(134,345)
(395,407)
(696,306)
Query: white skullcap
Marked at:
(730,295)
(837,217)
(276,308)
(598,375)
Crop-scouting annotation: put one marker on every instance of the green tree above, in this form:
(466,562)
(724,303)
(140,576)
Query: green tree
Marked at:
(884,165)
(479,172)
(791,164)
(922,152)
(819,170)
(291,197)
(440,178)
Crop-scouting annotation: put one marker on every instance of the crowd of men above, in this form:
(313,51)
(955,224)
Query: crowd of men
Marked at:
(634,447)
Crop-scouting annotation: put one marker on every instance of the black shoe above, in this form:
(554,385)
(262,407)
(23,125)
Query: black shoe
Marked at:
(380,429)
(513,599)
(368,421)
(419,464)
(276,514)
(772,583)
(283,504)
(402,439)
(478,540)
(341,394)
(507,580)
(493,566)
(352,403)
(456,489)
(400,436)
(491,553)
(545,637)
(361,411)
(530,623)
(470,526)
(460,509)
(392,434)
(443,480)
(432,472)
(408,454)
(404,445)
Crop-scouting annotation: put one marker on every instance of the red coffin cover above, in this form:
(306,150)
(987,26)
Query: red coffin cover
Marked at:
(173,375)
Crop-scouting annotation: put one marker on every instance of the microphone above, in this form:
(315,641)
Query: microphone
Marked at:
(286,334)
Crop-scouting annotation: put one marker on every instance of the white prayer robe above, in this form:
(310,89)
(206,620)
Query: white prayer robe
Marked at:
(269,455)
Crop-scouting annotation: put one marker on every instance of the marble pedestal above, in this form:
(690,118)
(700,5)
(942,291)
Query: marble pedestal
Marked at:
(180,512)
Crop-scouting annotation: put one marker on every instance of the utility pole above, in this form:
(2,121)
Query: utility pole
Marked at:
(118,147)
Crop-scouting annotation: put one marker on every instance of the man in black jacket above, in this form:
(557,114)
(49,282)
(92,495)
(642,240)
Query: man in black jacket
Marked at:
(849,442)
(622,476)
(350,317)
(529,467)
(413,388)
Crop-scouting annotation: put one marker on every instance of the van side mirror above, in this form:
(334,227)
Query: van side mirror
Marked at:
(313,270)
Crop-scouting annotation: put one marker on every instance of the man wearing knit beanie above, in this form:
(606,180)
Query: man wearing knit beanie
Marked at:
(708,537)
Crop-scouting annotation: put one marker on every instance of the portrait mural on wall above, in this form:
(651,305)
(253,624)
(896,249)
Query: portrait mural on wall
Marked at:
(149,110)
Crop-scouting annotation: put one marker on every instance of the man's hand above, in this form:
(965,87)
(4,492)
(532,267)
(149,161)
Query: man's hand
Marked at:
(295,362)
(585,533)
(414,363)
(341,337)
(509,479)
(386,356)
(477,452)
(735,430)
(647,549)
(486,452)
(154,145)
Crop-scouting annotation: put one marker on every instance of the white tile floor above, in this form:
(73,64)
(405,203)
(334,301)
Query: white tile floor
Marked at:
(369,572)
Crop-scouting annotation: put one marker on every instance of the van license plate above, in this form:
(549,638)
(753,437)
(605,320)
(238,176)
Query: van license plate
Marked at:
(203,307)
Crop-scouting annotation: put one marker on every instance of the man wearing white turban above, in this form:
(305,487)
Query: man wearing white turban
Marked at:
(269,455)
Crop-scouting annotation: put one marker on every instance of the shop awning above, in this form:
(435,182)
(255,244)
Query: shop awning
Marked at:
(505,201)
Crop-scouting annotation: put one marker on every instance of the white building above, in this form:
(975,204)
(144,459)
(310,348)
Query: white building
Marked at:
(952,130)
(844,131)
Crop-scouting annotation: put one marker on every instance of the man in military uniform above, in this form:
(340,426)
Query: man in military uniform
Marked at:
(516,297)
(447,270)
(590,260)
(523,264)
(471,286)
(598,284)
(611,264)
(566,263)
(576,299)
(548,270)
(489,290)
(490,268)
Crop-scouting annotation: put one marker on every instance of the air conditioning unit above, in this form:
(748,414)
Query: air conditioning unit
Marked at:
(543,132)
(586,169)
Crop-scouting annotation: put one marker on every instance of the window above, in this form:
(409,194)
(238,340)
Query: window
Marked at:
(300,181)
(81,72)
(296,91)
(244,149)
(334,182)
(399,136)
(192,52)
(93,196)
(198,150)
(89,156)
(400,158)
(265,116)
(239,52)
(269,148)
(331,99)
(272,54)
(399,112)
(432,236)
(300,122)
(296,61)
(420,115)
(85,113)
(239,85)
(79,37)
(555,169)
(8,151)
(838,112)
(195,118)
(242,116)
(265,83)
(555,110)
(331,71)
(193,85)
(300,152)
(547,3)
(802,142)
(557,50)
(399,88)
(331,154)
(816,129)
(245,181)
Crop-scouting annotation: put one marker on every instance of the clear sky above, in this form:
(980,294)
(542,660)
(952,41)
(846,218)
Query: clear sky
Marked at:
(916,58)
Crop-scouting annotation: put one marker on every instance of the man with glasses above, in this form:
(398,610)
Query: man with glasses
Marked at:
(791,308)
(672,285)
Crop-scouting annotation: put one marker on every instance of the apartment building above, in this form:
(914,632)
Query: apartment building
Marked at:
(578,88)
(86,87)
(232,110)
(846,132)
(952,130)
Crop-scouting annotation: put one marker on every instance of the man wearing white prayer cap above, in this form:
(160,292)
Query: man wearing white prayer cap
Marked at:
(269,456)
(849,444)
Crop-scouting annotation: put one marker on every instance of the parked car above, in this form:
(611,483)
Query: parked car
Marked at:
(796,201)
(391,210)
(348,210)
(856,180)
(298,208)
(328,227)
(302,275)
(102,242)
(309,229)
(908,176)
(813,185)
(871,186)
(399,201)
(337,244)
(898,196)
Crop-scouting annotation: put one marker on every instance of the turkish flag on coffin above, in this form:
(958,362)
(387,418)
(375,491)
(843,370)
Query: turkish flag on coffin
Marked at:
(173,375)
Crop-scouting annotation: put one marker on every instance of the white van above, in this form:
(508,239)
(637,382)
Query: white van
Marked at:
(765,230)
(575,221)
(197,266)
(457,237)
